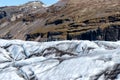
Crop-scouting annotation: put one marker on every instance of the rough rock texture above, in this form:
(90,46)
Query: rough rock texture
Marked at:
(2,14)
(111,33)
(59,60)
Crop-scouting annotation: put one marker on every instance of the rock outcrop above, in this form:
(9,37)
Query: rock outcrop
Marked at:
(66,19)
(2,14)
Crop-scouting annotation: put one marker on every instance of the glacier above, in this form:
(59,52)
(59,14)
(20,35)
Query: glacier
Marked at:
(59,60)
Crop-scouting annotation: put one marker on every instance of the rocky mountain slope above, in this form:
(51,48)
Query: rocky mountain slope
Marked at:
(67,19)
(60,60)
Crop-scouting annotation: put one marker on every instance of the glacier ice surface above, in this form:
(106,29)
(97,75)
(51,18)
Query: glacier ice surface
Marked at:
(59,60)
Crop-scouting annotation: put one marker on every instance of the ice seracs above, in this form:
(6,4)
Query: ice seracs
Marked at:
(59,60)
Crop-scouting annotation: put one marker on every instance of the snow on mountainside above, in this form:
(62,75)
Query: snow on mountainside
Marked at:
(60,60)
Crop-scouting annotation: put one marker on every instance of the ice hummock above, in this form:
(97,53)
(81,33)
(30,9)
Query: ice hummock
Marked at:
(59,60)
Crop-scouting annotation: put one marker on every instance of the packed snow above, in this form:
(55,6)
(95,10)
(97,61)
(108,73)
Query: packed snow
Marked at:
(59,60)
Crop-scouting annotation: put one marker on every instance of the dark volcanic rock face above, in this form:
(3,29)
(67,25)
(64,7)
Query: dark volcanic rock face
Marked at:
(2,14)
(111,33)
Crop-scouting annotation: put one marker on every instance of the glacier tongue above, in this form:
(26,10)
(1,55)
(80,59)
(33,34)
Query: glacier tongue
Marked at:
(59,60)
